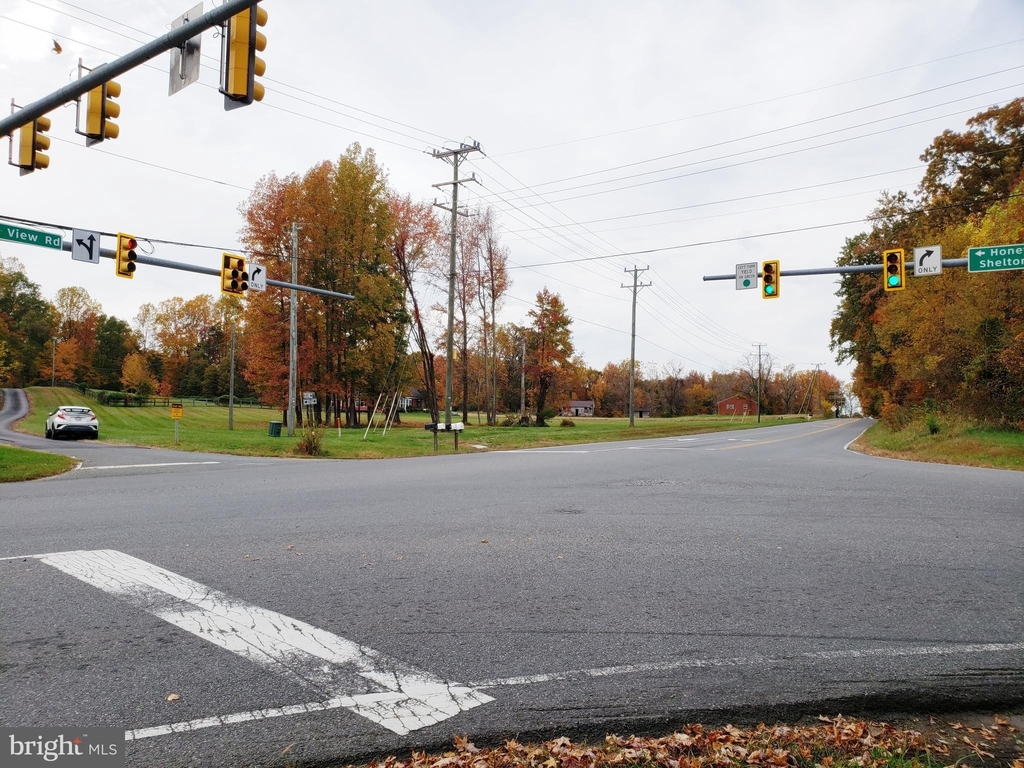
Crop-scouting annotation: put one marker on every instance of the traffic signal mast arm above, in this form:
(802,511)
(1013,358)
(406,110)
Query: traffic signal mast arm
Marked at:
(173,39)
(111,253)
(851,270)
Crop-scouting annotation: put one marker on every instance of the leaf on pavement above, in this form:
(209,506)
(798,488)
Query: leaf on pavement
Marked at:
(173,696)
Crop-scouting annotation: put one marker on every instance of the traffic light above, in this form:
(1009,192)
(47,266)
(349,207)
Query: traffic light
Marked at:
(895,274)
(31,142)
(233,275)
(770,280)
(101,110)
(239,64)
(126,245)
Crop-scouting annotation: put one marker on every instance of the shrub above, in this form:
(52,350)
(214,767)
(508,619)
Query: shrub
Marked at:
(933,424)
(895,416)
(311,443)
(568,423)
(509,420)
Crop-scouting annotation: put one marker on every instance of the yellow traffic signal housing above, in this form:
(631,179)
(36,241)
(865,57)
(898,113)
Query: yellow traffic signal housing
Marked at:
(101,110)
(240,66)
(894,269)
(770,281)
(234,277)
(31,143)
(125,258)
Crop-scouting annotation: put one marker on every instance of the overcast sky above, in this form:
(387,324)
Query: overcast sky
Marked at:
(689,129)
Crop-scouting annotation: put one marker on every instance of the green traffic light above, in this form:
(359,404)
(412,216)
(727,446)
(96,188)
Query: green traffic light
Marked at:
(894,279)
(769,289)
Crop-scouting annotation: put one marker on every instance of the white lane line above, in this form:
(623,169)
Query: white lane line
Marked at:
(398,696)
(662,666)
(164,464)
(625,669)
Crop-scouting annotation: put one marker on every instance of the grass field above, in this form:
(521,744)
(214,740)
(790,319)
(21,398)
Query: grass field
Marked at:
(19,464)
(956,442)
(204,428)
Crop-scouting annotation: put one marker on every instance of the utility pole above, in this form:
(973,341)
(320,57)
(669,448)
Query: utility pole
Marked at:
(453,156)
(53,360)
(632,336)
(522,385)
(293,333)
(231,382)
(758,380)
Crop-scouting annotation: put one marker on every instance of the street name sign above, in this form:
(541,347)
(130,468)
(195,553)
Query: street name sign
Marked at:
(31,237)
(746,276)
(85,246)
(993,258)
(928,260)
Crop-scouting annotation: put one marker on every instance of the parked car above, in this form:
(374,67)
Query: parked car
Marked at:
(72,421)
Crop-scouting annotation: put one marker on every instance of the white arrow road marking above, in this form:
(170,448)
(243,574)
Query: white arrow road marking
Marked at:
(396,695)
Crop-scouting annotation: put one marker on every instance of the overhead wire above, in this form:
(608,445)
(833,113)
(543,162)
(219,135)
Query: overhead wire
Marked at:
(739,163)
(770,100)
(800,124)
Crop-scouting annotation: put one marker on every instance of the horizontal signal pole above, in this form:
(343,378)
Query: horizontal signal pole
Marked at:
(173,39)
(110,253)
(851,270)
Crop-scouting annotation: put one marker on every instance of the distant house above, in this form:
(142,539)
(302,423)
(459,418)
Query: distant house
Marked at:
(737,405)
(641,413)
(577,408)
(413,401)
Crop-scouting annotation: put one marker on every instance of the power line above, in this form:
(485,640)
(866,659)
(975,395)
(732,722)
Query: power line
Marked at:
(791,126)
(740,163)
(782,231)
(265,79)
(771,100)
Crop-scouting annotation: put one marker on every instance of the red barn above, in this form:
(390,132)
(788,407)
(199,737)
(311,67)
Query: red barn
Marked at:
(737,405)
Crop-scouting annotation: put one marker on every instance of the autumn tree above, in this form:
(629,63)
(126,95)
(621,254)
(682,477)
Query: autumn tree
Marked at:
(136,376)
(493,283)
(348,349)
(415,246)
(549,346)
(27,324)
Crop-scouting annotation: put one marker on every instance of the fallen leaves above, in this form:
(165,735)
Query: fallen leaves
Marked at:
(172,697)
(837,741)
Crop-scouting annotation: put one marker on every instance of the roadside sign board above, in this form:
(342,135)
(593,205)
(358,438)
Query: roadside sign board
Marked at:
(85,246)
(257,277)
(31,237)
(309,398)
(177,411)
(928,260)
(746,276)
(994,258)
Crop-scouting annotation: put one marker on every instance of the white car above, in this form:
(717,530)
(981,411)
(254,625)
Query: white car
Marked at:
(73,421)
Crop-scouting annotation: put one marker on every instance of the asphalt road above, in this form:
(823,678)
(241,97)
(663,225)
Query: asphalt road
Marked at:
(310,611)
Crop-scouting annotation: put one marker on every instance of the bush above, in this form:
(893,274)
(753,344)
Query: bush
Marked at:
(311,443)
(568,423)
(896,417)
(933,424)
(509,420)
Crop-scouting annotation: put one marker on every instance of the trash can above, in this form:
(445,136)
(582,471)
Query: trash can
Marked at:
(275,429)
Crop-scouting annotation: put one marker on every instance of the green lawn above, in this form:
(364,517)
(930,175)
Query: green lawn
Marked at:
(956,442)
(204,428)
(20,464)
